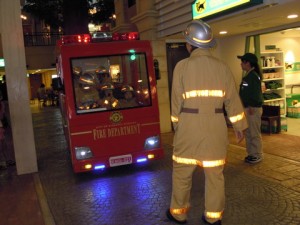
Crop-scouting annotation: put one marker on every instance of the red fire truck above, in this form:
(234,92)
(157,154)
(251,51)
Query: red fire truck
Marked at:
(109,100)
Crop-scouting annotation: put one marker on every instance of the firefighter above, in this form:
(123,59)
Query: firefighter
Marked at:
(77,71)
(86,93)
(129,99)
(103,75)
(202,84)
(109,101)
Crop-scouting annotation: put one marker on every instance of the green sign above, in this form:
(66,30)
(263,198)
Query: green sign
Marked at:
(292,68)
(2,64)
(208,8)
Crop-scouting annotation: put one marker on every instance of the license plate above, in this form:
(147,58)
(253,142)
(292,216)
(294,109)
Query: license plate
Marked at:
(120,160)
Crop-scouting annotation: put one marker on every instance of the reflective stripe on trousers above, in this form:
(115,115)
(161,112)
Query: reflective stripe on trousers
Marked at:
(182,183)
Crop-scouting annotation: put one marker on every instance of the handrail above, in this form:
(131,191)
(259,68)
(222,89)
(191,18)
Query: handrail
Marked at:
(41,39)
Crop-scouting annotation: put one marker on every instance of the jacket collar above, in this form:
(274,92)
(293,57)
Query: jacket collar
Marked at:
(201,52)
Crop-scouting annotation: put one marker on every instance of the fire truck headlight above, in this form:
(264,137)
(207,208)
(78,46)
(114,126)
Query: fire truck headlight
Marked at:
(83,153)
(152,142)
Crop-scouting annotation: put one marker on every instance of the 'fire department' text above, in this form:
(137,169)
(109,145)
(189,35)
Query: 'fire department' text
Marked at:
(116,131)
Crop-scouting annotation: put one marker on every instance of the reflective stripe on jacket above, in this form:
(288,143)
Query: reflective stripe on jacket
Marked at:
(205,83)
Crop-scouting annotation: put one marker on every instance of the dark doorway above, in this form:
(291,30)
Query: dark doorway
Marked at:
(175,53)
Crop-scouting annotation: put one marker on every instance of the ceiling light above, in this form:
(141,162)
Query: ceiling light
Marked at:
(292,16)
(223,32)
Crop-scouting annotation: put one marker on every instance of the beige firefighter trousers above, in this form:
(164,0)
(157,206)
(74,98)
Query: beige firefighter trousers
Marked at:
(182,183)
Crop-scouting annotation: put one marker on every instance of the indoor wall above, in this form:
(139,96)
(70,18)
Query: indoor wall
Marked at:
(228,50)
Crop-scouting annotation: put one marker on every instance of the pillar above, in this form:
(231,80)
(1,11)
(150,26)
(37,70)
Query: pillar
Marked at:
(18,96)
(146,22)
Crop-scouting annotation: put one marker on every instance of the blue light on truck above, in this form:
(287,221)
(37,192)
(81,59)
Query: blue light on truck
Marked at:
(99,167)
(140,160)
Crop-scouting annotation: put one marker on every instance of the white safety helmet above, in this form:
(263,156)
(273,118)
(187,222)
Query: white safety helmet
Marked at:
(101,70)
(87,79)
(126,88)
(107,86)
(199,34)
(77,70)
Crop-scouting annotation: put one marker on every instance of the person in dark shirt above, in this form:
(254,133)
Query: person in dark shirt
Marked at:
(252,99)
(3,89)
(42,94)
(6,146)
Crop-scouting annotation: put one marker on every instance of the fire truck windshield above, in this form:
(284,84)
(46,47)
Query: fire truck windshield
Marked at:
(110,82)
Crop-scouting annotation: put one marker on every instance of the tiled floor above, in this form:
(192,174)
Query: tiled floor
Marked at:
(18,197)
(19,204)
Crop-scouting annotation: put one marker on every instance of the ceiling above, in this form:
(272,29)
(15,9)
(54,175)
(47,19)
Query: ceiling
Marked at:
(268,17)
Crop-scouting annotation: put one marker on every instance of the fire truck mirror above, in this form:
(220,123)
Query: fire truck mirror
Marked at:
(156,69)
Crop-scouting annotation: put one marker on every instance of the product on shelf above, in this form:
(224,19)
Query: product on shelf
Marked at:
(273,85)
(271,95)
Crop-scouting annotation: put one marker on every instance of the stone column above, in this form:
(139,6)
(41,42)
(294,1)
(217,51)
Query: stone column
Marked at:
(146,21)
(123,23)
(18,96)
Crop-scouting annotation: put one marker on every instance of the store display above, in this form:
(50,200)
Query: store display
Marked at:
(265,125)
(274,83)
(293,111)
(271,96)
(273,78)
(292,99)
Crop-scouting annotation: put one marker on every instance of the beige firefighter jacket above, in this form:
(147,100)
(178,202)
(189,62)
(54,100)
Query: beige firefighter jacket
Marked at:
(201,85)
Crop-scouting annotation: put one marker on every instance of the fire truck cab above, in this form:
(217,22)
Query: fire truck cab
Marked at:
(109,101)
